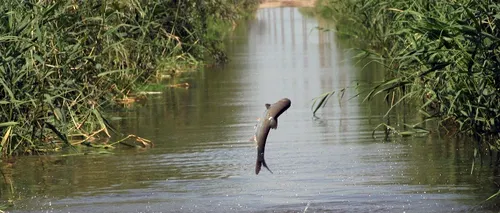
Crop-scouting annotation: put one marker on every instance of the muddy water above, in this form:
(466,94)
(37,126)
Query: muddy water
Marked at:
(203,160)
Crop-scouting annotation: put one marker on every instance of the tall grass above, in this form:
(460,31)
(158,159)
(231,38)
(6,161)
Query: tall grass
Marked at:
(442,54)
(62,61)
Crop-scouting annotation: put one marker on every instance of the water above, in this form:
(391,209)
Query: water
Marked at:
(203,160)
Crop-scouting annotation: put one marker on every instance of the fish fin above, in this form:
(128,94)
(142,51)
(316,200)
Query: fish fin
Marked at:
(254,139)
(265,165)
(268,106)
(273,123)
(259,165)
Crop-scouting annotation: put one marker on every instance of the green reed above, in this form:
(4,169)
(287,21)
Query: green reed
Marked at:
(443,55)
(61,62)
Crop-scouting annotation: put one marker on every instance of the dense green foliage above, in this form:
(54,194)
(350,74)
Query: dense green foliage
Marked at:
(442,54)
(61,61)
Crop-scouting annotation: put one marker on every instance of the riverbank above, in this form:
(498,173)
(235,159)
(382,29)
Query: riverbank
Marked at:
(440,56)
(63,62)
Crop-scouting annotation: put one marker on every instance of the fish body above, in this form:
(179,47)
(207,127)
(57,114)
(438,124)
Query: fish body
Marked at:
(268,121)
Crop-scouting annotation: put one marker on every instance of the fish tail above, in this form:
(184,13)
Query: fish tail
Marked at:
(258,166)
(265,165)
(261,162)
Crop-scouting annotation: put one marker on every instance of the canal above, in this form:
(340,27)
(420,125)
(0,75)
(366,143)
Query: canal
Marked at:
(203,159)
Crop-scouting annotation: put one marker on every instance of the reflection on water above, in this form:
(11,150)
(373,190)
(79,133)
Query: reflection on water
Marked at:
(203,160)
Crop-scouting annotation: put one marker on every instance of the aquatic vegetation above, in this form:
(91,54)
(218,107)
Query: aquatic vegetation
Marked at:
(62,62)
(323,99)
(442,55)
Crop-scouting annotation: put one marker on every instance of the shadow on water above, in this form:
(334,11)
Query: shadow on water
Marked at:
(203,160)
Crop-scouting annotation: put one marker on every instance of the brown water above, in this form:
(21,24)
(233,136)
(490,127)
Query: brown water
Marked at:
(203,160)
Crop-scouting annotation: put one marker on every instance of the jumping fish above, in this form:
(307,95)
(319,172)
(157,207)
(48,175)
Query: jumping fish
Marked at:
(268,121)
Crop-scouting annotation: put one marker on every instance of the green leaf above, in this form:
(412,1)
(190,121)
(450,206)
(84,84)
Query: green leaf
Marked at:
(111,72)
(11,123)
